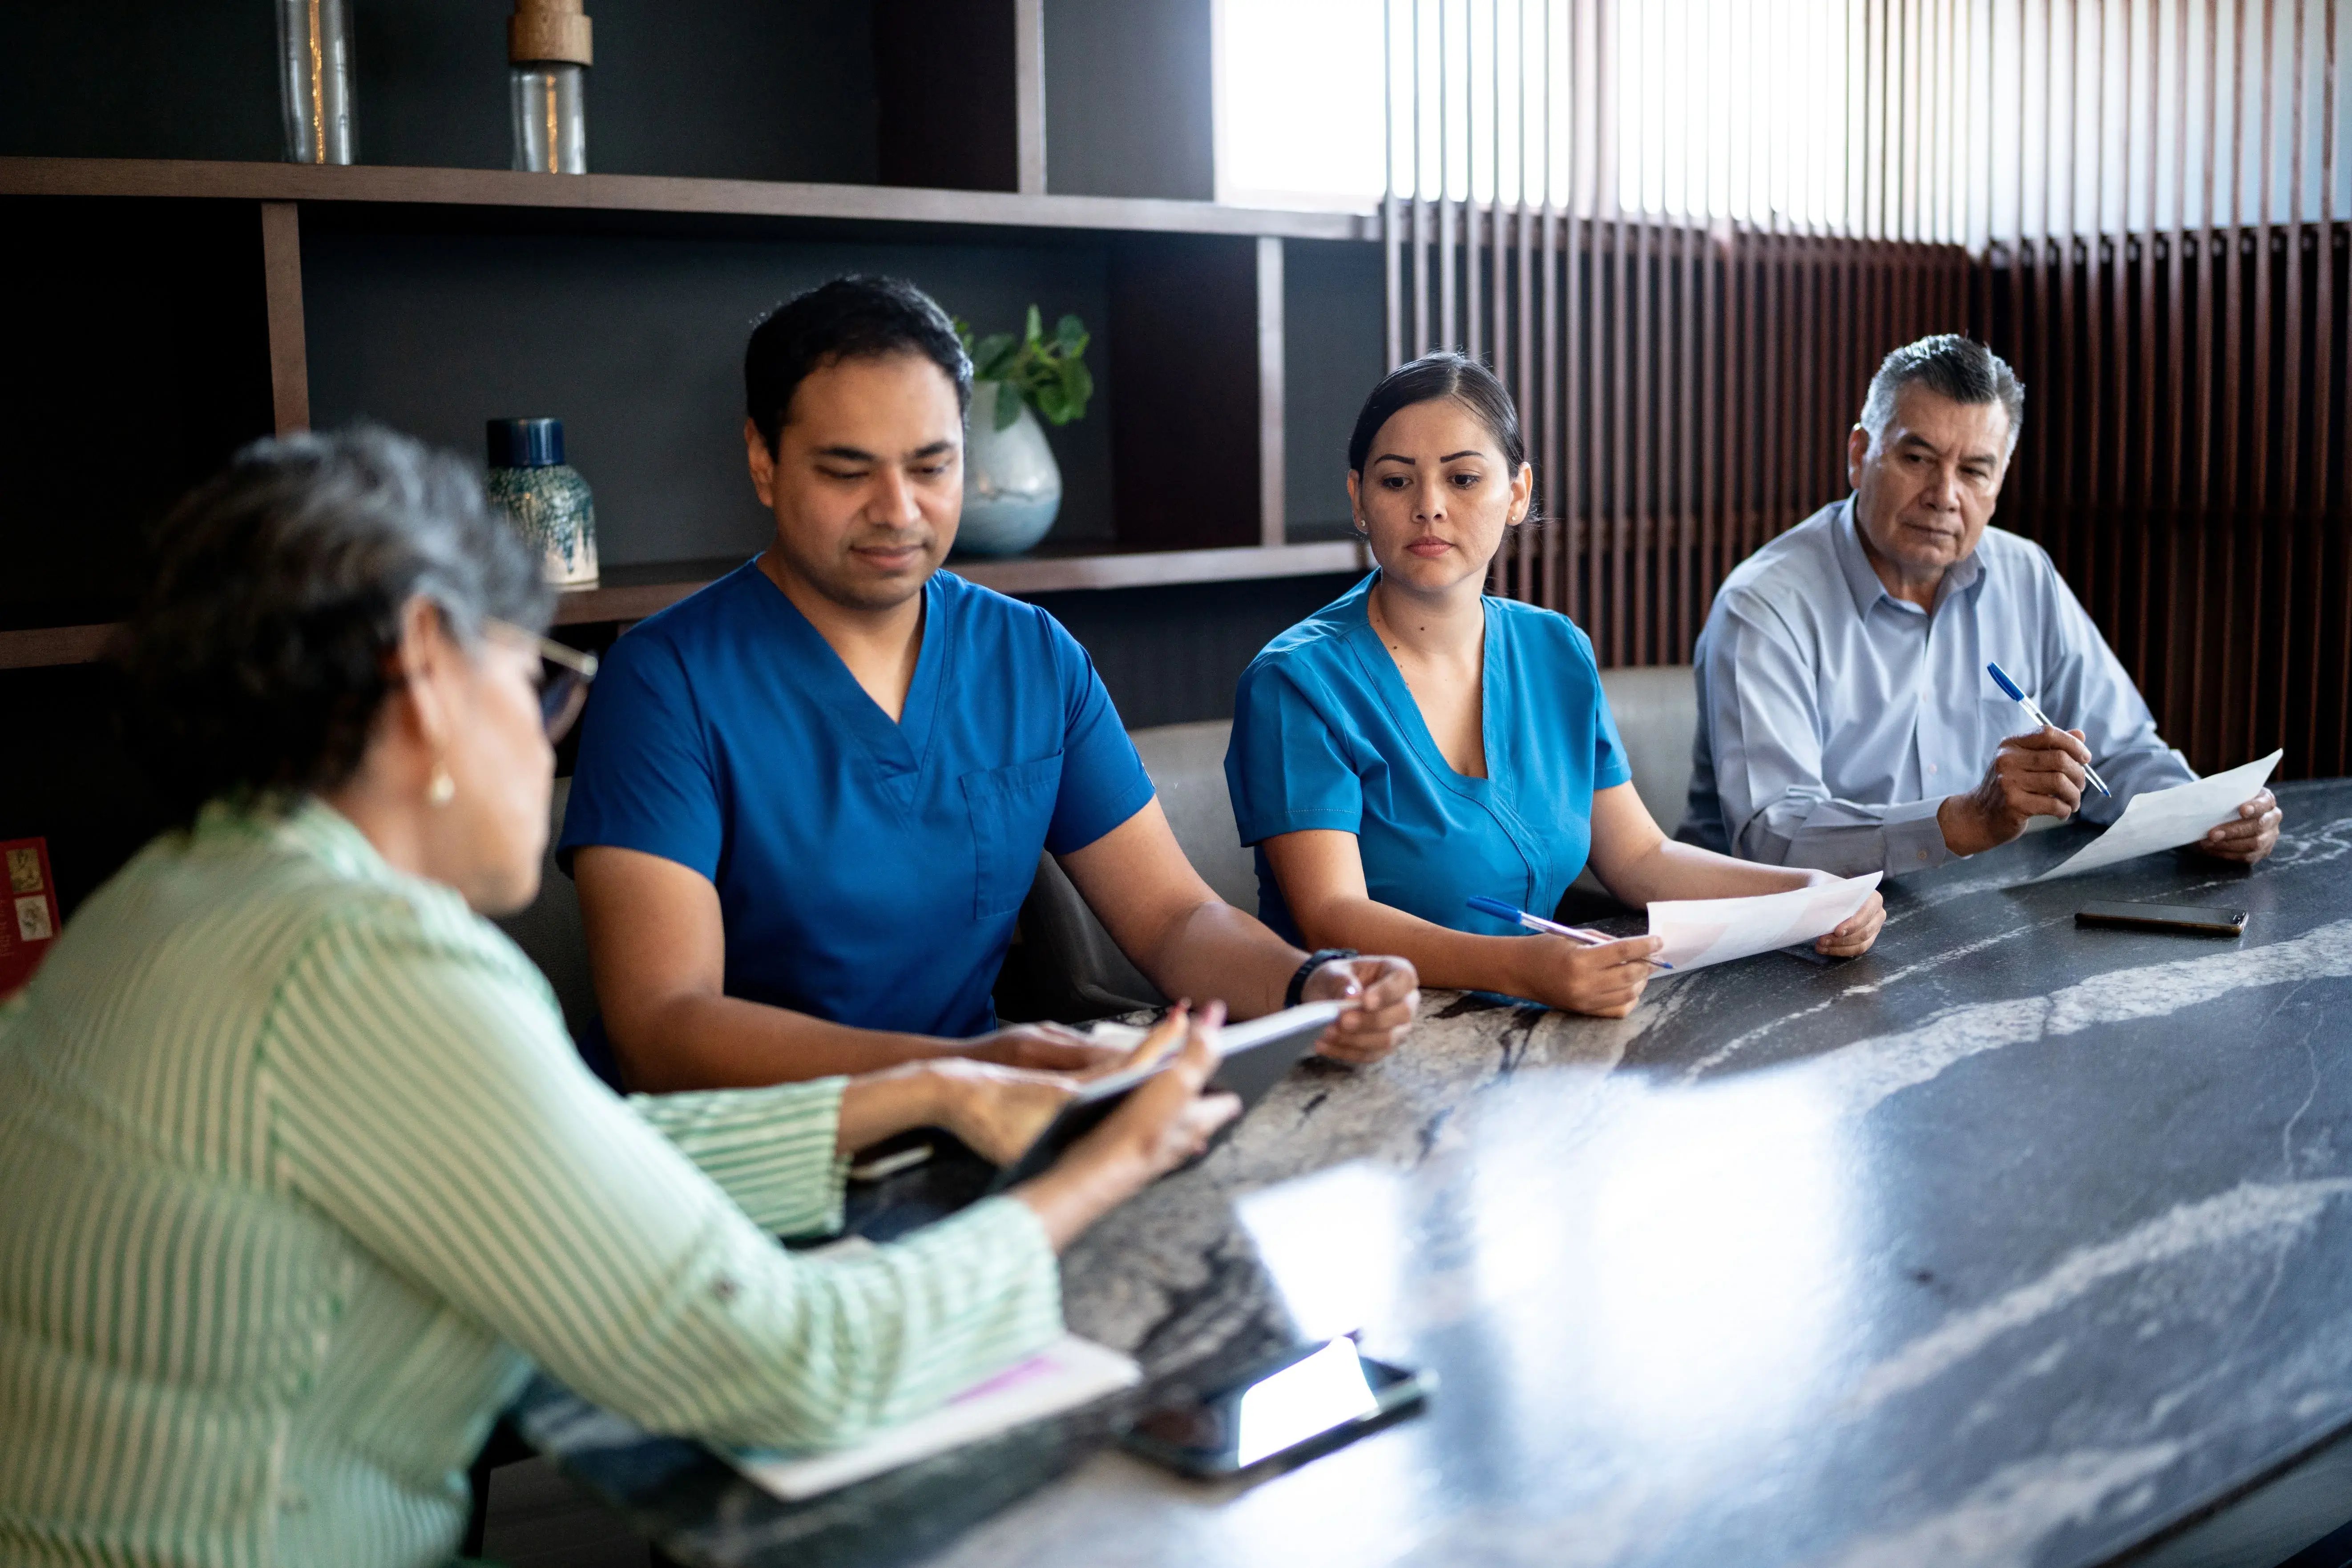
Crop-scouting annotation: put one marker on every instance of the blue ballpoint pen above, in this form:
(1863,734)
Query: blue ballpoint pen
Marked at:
(1503,911)
(2001,678)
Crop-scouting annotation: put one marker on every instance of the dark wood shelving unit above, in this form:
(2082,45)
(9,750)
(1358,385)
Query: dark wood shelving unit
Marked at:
(1193,293)
(180,293)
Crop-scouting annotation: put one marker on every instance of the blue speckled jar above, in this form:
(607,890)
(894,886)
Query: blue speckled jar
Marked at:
(544,497)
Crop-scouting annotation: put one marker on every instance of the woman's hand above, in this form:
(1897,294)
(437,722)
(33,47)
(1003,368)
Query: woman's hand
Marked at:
(1852,938)
(1050,1047)
(1387,993)
(1164,1122)
(1604,981)
(997,1111)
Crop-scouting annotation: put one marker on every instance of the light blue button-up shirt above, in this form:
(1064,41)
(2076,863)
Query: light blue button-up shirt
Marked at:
(1833,718)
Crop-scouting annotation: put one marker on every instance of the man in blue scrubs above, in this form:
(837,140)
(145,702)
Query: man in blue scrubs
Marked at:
(810,798)
(1846,719)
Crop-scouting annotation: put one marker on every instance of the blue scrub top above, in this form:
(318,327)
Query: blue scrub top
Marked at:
(869,872)
(1325,734)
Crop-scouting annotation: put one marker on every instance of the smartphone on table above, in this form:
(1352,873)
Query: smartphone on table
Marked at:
(1290,1408)
(2194,921)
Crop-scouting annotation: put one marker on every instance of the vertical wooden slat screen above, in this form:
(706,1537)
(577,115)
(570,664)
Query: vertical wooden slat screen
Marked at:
(1686,231)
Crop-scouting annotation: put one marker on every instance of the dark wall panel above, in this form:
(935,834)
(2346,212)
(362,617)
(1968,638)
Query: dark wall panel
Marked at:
(2184,463)
(1188,431)
(1128,99)
(944,73)
(1171,656)
(1332,356)
(731,88)
(74,783)
(743,89)
(145,79)
(160,370)
(636,344)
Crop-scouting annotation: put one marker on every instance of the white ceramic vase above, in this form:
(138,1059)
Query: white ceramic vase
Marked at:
(1012,486)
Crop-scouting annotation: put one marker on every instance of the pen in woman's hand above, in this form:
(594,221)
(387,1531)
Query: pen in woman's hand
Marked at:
(1503,911)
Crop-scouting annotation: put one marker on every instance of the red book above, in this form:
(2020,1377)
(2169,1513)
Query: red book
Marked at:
(29,919)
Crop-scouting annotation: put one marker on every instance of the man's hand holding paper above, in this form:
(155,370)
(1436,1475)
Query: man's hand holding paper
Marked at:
(2248,836)
(2186,815)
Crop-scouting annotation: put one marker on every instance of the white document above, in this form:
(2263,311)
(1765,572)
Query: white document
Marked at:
(1700,932)
(2168,818)
(1067,1373)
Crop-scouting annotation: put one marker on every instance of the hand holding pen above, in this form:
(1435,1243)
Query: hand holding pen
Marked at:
(2043,772)
(1601,975)
(2033,712)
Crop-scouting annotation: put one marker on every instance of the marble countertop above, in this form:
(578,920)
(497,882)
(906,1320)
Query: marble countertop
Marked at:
(2011,1243)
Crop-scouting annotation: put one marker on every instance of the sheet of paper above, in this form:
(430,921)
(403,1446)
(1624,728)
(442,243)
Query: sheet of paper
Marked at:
(1067,1373)
(1700,932)
(1126,1036)
(2168,818)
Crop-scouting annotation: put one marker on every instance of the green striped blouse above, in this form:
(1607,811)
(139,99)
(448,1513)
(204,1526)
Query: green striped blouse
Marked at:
(298,1175)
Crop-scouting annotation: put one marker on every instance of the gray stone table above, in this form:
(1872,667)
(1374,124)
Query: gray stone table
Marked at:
(2011,1243)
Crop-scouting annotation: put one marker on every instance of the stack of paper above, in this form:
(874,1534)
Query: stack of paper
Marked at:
(1065,1374)
(2169,818)
(1700,932)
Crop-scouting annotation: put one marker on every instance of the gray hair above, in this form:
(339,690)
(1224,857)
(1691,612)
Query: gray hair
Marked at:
(1951,366)
(262,652)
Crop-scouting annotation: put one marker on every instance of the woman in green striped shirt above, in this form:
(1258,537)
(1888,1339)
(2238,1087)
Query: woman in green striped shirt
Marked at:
(299,1172)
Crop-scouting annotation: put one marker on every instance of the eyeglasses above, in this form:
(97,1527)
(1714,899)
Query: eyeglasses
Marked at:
(563,676)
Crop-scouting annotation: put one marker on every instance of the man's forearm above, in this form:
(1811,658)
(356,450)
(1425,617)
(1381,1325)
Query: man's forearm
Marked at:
(1847,839)
(1213,951)
(725,1042)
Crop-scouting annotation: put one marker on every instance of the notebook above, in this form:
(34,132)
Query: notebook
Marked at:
(1067,1373)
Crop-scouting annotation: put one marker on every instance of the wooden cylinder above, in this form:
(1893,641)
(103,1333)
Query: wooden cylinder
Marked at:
(549,30)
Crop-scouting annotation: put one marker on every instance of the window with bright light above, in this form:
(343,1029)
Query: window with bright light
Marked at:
(1800,114)
(1299,103)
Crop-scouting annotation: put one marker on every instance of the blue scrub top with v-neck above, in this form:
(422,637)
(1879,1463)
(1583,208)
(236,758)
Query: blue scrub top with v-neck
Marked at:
(868,870)
(1325,734)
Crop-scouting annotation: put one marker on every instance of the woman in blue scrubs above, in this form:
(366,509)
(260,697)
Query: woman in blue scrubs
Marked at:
(1418,743)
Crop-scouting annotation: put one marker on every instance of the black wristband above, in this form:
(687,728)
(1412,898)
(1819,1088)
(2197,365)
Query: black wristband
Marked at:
(1315,961)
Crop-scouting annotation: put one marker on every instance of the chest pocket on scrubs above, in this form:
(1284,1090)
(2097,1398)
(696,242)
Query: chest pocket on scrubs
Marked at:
(1010,808)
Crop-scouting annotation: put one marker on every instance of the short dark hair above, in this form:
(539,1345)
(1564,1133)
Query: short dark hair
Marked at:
(850,318)
(1951,366)
(262,652)
(1427,379)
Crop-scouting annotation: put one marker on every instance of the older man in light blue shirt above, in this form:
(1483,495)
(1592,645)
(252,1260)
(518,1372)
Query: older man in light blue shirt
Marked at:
(1846,719)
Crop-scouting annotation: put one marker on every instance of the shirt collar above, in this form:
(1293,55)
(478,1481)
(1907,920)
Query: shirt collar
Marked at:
(304,824)
(1862,578)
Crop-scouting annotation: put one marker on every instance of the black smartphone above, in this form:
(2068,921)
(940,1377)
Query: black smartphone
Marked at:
(2164,917)
(1300,1403)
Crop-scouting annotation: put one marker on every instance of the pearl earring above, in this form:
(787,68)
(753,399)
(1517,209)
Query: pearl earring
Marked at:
(441,789)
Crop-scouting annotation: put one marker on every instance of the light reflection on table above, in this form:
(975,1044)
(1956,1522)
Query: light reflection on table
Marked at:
(1890,1263)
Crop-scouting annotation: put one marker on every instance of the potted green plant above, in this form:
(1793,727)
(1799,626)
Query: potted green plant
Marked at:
(1012,486)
